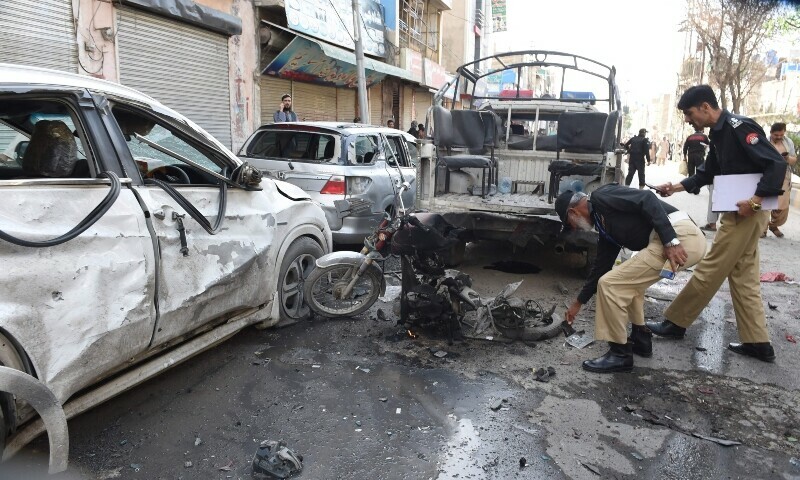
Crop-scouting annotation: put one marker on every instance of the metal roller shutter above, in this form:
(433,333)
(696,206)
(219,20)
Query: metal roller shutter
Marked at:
(272,89)
(406,106)
(376,105)
(345,104)
(423,102)
(182,66)
(39,33)
(314,102)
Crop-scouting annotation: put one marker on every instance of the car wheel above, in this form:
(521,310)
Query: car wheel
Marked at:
(297,264)
(10,357)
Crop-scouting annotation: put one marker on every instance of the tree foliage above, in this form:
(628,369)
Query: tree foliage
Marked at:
(731,32)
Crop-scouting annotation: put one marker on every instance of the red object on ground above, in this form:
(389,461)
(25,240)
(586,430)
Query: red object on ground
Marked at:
(774,277)
(791,338)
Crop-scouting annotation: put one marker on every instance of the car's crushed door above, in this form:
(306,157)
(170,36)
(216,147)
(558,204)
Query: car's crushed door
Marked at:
(202,276)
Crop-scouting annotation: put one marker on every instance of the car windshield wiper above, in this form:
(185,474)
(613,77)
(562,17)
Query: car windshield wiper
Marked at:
(181,158)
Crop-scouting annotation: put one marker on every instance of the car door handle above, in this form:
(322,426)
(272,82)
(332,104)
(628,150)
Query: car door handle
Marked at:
(178,217)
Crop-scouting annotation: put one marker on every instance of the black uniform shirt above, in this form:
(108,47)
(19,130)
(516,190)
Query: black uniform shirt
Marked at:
(739,145)
(625,217)
(638,147)
(695,144)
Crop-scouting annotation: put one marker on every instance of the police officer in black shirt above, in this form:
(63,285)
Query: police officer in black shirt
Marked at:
(636,220)
(738,145)
(638,148)
(694,150)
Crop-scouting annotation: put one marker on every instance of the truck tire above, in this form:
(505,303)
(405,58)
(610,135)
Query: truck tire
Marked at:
(297,264)
(455,255)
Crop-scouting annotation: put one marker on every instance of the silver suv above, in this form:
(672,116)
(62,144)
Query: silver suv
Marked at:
(349,169)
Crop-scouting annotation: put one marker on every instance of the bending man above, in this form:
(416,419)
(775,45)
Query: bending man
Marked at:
(636,220)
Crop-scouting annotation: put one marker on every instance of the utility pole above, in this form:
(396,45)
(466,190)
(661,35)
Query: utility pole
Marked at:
(363,111)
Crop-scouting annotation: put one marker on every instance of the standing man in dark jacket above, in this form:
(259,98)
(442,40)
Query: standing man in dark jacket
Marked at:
(694,150)
(638,148)
(284,112)
(636,220)
(738,145)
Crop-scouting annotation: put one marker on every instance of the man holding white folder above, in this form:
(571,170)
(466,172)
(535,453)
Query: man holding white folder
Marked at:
(738,146)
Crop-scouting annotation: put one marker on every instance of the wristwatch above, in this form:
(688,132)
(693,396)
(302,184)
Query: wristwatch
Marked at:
(753,205)
(673,243)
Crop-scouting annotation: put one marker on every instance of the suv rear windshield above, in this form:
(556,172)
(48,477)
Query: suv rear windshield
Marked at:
(295,146)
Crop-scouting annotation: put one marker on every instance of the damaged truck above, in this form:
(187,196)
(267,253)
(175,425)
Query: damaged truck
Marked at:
(509,132)
(130,241)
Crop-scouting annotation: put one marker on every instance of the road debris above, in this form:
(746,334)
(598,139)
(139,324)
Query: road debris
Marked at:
(381,315)
(495,405)
(226,468)
(774,277)
(772,306)
(591,468)
(543,375)
(630,408)
(383,399)
(524,462)
(440,354)
(136,466)
(705,390)
(561,288)
(701,349)
(274,460)
(795,461)
(791,338)
(637,456)
(187,464)
(197,441)
(719,441)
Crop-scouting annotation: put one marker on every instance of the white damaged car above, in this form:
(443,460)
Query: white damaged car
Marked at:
(130,240)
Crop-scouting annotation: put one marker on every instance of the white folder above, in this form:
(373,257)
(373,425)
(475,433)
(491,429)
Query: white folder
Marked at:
(729,189)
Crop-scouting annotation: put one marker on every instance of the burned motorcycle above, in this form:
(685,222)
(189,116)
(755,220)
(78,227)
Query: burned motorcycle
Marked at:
(348,283)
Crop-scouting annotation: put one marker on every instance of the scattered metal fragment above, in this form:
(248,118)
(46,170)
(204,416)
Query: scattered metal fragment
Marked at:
(591,468)
(561,288)
(719,441)
(197,441)
(795,461)
(545,458)
(381,315)
(637,456)
(495,405)
(772,306)
(228,467)
(187,464)
(136,466)
(630,408)
(440,354)
(701,349)
(274,460)
(383,399)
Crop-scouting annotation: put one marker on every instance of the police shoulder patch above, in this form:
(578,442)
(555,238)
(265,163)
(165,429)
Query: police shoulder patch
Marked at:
(735,122)
(752,138)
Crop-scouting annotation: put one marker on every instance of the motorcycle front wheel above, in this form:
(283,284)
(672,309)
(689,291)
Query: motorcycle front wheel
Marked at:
(324,287)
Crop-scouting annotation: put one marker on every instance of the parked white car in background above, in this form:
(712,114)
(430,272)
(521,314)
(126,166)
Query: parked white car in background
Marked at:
(186,244)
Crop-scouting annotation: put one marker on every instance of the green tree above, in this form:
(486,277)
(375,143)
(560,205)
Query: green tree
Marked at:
(732,32)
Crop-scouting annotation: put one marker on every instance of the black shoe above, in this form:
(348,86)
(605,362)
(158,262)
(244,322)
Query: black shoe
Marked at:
(642,340)
(761,351)
(666,329)
(619,358)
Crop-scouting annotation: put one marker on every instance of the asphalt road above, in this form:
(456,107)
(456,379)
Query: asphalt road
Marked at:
(360,399)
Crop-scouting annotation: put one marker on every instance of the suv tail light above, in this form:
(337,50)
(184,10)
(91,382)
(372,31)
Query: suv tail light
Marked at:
(335,185)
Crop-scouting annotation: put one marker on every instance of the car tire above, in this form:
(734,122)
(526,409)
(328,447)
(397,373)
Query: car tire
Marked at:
(297,264)
(12,356)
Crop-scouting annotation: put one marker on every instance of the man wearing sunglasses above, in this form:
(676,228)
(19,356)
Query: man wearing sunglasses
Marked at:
(637,220)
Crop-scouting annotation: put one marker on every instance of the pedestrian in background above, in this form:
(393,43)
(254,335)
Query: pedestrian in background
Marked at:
(694,150)
(284,112)
(390,123)
(639,221)
(738,145)
(784,145)
(663,150)
(638,148)
(421,132)
(413,130)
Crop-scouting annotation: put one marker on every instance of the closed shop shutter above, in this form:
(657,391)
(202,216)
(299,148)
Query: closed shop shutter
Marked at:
(345,104)
(423,102)
(314,102)
(272,89)
(39,33)
(376,105)
(180,65)
(406,107)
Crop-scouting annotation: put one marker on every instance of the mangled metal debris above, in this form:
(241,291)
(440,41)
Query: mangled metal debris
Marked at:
(719,441)
(273,459)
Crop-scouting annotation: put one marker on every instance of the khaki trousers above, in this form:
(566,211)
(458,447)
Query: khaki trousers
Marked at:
(620,292)
(733,255)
